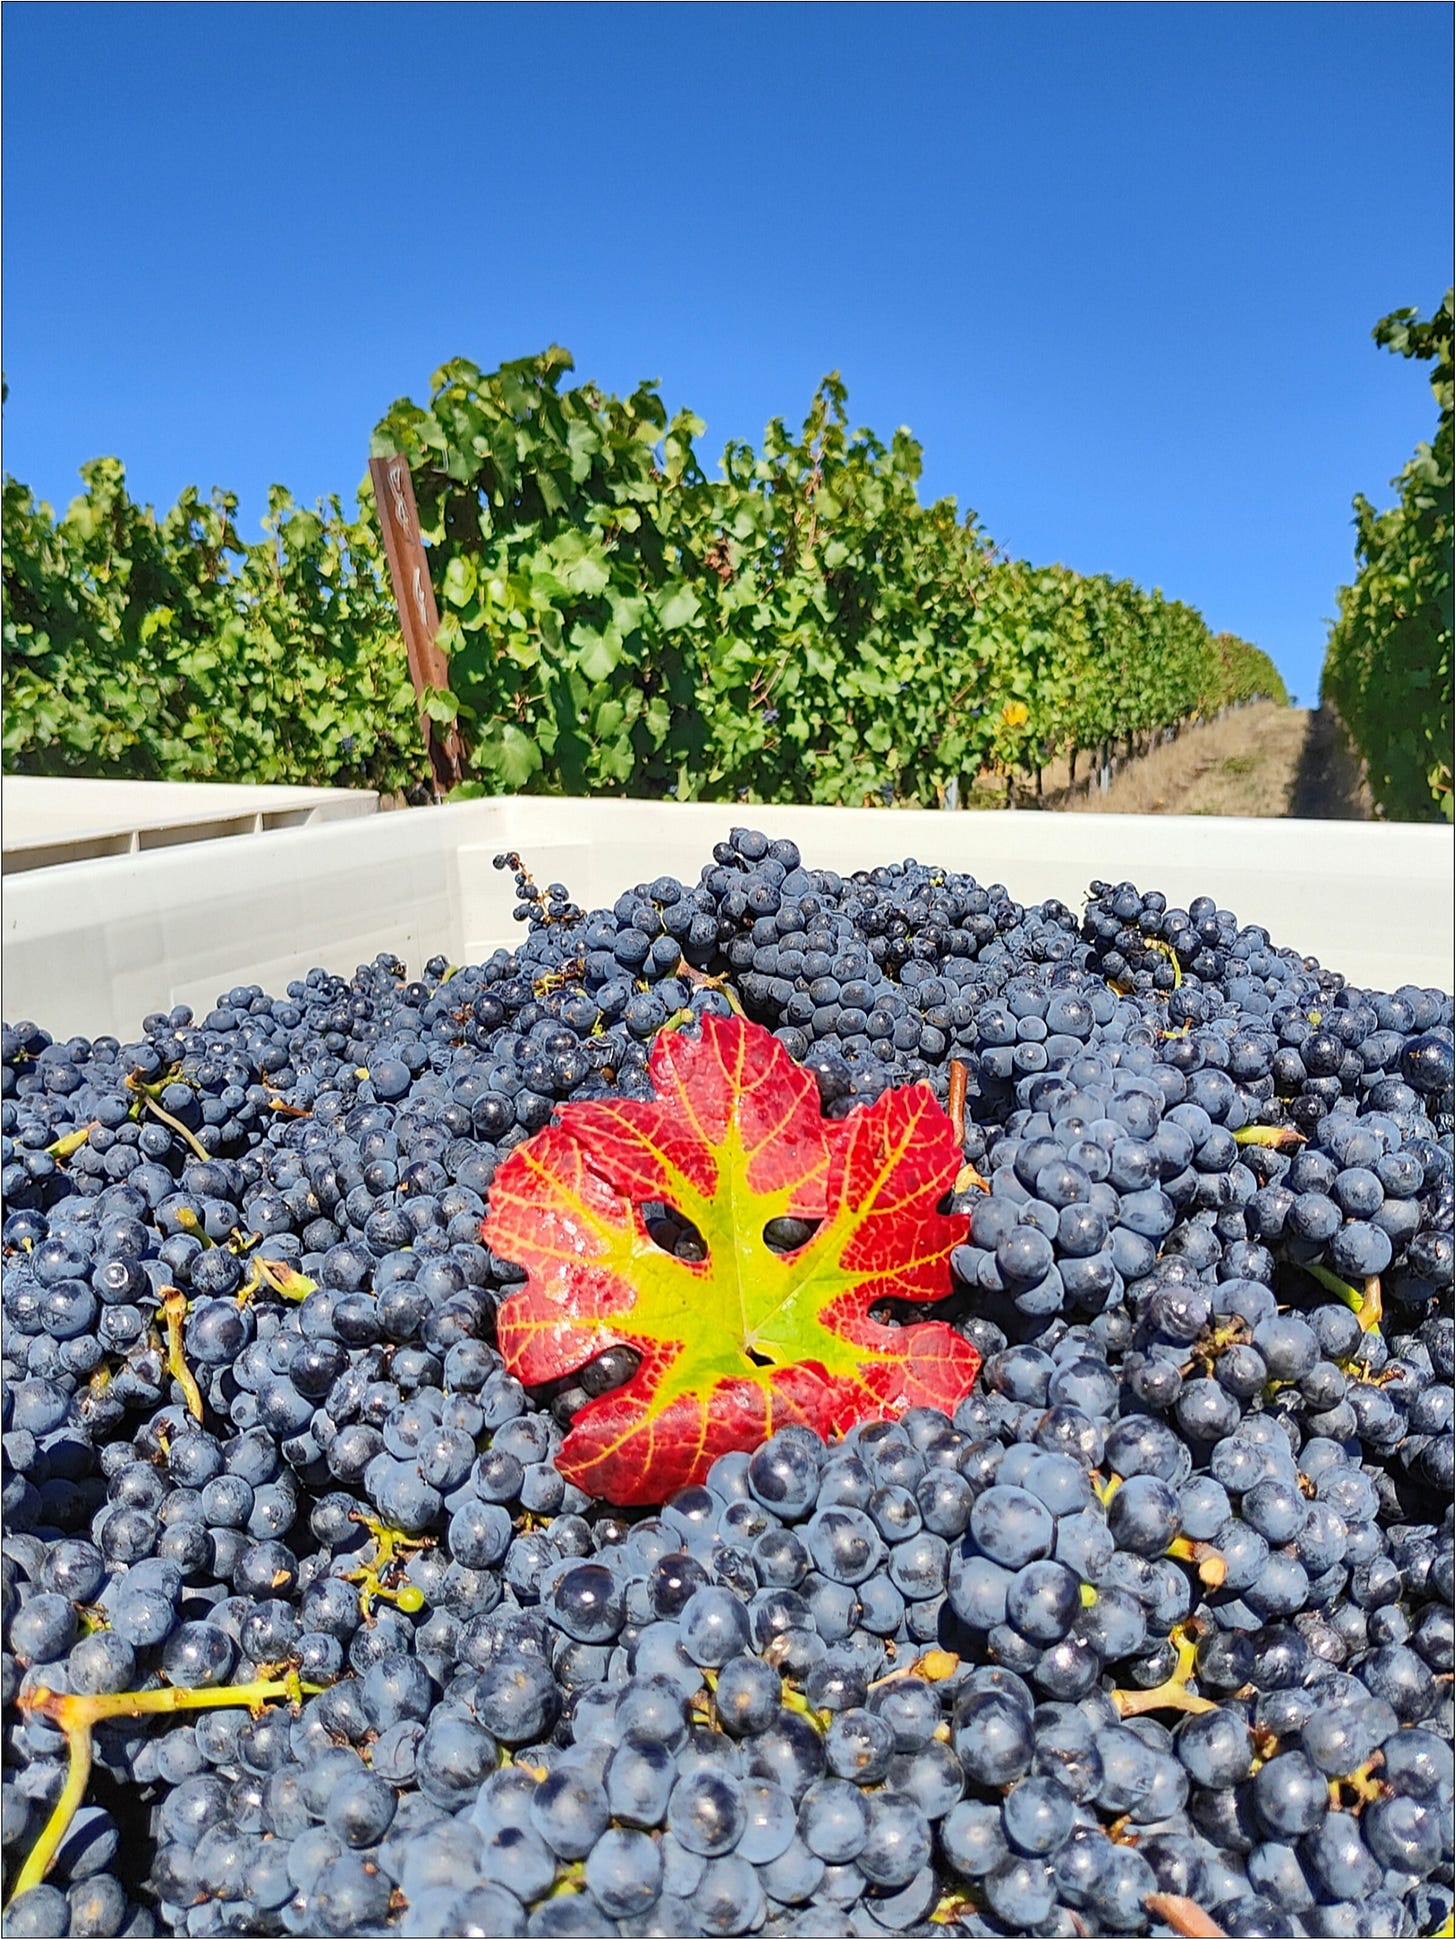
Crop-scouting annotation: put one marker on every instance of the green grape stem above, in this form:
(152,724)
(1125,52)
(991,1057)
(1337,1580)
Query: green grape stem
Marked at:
(174,1313)
(1173,1694)
(76,1718)
(146,1097)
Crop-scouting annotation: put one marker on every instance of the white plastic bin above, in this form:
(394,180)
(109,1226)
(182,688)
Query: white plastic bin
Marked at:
(45,820)
(92,946)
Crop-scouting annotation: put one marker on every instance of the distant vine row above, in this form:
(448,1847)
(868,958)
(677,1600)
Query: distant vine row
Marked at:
(799,628)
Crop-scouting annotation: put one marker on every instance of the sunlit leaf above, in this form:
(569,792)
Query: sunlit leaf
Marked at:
(749,1339)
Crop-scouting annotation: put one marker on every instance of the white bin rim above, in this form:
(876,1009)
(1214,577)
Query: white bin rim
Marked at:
(94,946)
(50,819)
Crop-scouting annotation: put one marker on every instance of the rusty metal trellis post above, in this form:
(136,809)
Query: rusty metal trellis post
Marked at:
(419,618)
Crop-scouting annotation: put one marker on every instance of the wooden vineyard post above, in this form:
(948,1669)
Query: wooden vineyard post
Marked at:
(419,618)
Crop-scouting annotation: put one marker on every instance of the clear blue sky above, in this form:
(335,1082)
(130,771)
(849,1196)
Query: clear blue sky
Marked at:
(1115,265)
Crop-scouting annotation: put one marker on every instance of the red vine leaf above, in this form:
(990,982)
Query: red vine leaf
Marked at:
(749,1339)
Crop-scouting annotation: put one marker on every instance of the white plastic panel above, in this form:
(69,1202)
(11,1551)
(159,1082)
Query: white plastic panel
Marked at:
(93,946)
(45,820)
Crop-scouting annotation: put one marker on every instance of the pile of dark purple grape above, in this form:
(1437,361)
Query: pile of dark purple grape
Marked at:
(1153,1636)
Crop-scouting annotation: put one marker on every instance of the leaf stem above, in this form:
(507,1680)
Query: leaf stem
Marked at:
(1184,1915)
(956,1100)
(704,981)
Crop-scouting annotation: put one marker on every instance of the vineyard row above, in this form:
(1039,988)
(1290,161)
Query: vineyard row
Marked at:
(800,628)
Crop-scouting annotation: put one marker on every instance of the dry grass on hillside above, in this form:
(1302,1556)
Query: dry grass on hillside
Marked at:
(1244,764)
(1259,760)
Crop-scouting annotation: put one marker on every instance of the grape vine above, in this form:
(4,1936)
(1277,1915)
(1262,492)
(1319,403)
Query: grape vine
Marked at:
(1388,663)
(799,628)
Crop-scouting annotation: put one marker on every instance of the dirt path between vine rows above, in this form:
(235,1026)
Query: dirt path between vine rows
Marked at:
(1259,760)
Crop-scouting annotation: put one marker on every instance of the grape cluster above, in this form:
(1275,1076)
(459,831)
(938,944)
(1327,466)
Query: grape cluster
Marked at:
(304,1631)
